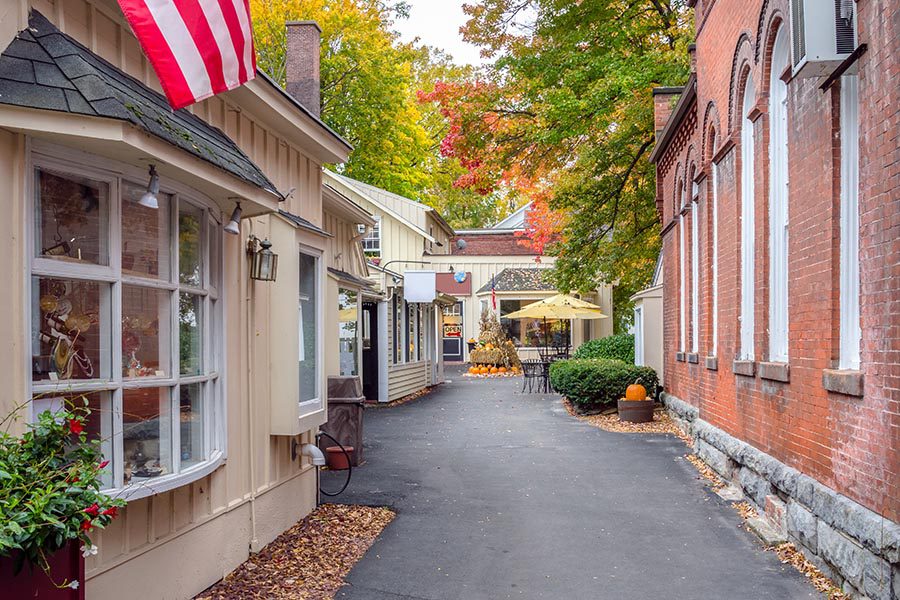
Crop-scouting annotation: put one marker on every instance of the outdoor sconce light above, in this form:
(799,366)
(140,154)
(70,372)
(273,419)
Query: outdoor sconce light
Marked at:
(263,262)
(150,198)
(234,224)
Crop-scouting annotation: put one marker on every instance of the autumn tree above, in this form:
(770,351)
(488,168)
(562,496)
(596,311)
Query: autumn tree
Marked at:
(567,112)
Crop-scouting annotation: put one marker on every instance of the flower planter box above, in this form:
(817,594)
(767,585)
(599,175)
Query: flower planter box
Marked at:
(66,565)
(636,411)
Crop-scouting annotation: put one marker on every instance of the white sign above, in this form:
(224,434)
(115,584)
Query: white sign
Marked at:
(419,286)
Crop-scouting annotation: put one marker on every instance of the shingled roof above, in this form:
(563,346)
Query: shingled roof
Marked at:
(44,68)
(519,280)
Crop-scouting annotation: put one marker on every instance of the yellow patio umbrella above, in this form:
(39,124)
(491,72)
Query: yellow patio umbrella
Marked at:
(347,315)
(560,306)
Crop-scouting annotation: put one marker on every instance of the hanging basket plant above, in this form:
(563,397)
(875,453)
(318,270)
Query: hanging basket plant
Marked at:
(50,499)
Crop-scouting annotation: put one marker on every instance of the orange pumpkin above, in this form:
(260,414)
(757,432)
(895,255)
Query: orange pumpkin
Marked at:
(636,392)
(483,370)
(503,369)
(473,370)
(494,370)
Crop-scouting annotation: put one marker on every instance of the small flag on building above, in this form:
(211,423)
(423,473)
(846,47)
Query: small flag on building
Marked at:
(198,48)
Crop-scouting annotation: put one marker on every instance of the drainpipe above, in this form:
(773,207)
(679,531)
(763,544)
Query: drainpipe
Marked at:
(245,277)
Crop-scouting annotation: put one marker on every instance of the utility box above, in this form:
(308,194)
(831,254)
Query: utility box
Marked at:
(346,404)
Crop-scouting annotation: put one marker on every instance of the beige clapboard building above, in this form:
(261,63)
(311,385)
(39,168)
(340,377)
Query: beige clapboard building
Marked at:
(201,379)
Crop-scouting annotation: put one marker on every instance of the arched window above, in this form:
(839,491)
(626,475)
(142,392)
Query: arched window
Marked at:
(748,250)
(682,287)
(695,266)
(778,200)
(714,207)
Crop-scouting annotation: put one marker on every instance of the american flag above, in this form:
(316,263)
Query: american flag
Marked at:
(493,294)
(198,48)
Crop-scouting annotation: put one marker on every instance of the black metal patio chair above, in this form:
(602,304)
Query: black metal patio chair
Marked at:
(533,371)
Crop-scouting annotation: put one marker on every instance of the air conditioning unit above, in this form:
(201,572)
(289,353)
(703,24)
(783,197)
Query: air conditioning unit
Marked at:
(823,34)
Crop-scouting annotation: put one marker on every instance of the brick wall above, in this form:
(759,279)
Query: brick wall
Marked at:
(849,443)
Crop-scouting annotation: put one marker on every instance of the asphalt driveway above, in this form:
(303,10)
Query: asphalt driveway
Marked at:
(504,495)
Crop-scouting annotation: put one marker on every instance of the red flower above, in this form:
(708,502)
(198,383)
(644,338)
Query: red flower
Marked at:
(103,464)
(75,426)
(111,512)
(92,510)
(86,525)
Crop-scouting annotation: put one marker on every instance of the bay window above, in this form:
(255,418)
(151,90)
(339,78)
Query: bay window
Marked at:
(123,301)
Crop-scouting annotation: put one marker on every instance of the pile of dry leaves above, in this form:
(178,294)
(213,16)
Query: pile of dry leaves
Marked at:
(310,560)
(661,423)
(788,554)
(715,482)
(403,400)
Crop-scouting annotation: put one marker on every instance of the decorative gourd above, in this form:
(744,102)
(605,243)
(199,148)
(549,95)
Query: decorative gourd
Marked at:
(636,392)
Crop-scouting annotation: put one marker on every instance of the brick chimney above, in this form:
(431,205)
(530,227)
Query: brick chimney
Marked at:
(664,100)
(302,63)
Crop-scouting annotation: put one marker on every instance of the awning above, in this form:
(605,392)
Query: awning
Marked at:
(519,280)
(349,278)
(54,88)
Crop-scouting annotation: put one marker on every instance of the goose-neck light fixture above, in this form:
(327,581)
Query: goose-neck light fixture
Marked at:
(234,224)
(151,198)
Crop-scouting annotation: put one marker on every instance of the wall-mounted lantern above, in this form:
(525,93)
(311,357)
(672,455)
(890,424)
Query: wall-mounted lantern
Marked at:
(263,262)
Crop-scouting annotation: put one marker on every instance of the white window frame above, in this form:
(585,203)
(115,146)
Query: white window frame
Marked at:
(308,407)
(778,200)
(695,269)
(638,335)
(714,203)
(682,286)
(213,401)
(359,333)
(850,328)
(371,243)
(748,225)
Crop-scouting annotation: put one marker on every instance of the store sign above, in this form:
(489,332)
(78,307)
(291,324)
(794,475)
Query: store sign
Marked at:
(419,286)
(452,330)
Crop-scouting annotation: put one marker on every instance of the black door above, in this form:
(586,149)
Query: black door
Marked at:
(370,350)
(452,332)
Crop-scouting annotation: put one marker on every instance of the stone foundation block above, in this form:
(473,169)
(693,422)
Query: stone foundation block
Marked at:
(802,525)
(846,556)
(755,486)
(714,458)
(876,578)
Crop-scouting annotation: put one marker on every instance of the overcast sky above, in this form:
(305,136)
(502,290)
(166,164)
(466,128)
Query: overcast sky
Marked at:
(437,23)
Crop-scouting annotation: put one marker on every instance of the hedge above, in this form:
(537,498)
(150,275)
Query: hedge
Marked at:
(619,347)
(599,383)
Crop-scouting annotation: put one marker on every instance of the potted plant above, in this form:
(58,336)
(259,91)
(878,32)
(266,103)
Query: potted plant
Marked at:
(50,502)
(635,407)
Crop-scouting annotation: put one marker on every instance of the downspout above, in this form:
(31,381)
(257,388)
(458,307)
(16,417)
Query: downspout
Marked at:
(245,277)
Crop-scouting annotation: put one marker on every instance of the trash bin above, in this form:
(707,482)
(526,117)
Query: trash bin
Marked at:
(346,404)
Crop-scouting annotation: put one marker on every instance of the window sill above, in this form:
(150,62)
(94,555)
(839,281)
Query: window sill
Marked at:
(712,363)
(747,368)
(775,371)
(679,356)
(693,358)
(151,487)
(843,381)
(311,421)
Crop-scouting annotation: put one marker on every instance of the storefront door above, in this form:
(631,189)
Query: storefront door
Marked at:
(452,332)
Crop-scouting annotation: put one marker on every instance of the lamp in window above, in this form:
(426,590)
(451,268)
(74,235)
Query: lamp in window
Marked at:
(234,224)
(150,199)
(263,262)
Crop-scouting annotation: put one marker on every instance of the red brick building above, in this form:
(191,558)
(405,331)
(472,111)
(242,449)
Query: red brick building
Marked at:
(778,187)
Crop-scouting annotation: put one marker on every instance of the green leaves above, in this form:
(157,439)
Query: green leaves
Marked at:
(48,477)
(598,383)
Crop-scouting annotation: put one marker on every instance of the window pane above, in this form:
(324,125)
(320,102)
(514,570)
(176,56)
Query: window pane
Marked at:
(411,332)
(348,317)
(189,333)
(145,239)
(215,254)
(97,427)
(71,218)
(146,433)
(190,248)
(70,329)
(191,423)
(146,323)
(534,333)
(309,380)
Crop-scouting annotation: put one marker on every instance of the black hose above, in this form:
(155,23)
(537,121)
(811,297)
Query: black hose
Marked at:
(349,466)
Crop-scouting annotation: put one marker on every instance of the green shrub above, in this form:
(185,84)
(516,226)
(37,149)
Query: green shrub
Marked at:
(618,347)
(599,383)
